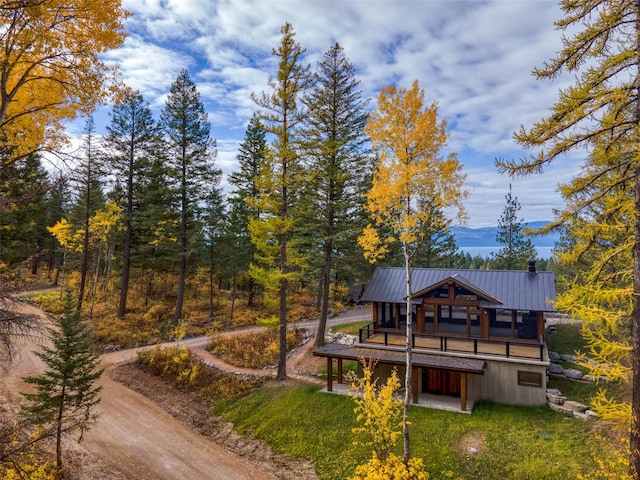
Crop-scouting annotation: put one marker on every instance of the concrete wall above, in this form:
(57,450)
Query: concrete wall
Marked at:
(499,384)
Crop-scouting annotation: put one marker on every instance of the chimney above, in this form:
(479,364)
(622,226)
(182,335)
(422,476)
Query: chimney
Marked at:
(532,265)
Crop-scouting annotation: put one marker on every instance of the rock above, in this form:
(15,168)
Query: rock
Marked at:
(555,369)
(573,374)
(560,409)
(581,415)
(556,398)
(576,406)
(591,414)
(554,357)
(566,357)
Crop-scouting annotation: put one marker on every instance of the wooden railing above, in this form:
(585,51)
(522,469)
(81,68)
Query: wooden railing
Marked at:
(510,348)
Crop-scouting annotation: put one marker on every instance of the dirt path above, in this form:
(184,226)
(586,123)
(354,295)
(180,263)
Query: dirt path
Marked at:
(140,440)
(134,436)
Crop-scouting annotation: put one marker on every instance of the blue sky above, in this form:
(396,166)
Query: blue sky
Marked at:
(474,57)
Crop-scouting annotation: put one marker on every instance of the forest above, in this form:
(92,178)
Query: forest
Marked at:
(136,227)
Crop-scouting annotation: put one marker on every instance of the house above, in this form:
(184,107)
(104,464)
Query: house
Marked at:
(478,335)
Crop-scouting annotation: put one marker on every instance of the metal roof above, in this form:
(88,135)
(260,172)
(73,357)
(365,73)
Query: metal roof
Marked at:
(394,357)
(513,289)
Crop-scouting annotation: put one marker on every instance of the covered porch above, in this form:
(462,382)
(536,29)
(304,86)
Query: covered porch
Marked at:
(422,362)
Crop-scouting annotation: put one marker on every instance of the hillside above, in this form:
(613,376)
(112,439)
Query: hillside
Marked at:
(486,236)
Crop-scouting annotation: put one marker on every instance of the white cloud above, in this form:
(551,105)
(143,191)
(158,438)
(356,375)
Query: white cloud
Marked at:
(474,57)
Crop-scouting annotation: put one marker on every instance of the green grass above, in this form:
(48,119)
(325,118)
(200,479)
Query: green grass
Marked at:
(566,339)
(520,443)
(349,328)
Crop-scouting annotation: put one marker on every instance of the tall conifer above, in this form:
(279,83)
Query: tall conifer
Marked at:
(190,154)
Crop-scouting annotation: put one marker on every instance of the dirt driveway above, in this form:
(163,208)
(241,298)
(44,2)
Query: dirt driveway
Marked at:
(134,438)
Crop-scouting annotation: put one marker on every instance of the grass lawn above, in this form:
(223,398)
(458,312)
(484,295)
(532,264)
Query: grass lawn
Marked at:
(516,443)
(349,328)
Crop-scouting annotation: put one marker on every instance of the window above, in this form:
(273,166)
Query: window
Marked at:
(526,325)
(529,379)
(464,294)
(385,315)
(500,323)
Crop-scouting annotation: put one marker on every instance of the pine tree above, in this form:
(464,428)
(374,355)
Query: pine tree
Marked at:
(599,113)
(518,249)
(281,182)
(190,153)
(132,138)
(90,198)
(251,158)
(340,165)
(65,395)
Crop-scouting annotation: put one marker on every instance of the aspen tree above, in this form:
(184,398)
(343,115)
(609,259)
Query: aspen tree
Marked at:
(411,175)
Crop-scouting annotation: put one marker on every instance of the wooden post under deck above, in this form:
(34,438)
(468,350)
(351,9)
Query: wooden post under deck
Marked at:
(340,371)
(463,391)
(329,374)
(414,385)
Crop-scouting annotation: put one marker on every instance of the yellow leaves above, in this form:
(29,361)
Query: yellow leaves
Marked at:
(378,410)
(392,468)
(411,172)
(100,225)
(51,66)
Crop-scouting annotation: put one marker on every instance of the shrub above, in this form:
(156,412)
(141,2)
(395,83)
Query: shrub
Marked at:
(180,365)
(254,349)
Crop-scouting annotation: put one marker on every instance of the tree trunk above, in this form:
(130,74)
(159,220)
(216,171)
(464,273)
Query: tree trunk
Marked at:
(126,267)
(634,433)
(282,362)
(408,378)
(326,283)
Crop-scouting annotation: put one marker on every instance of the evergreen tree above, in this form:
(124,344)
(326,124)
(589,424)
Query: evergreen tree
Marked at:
(132,138)
(281,182)
(600,114)
(190,154)
(341,166)
(251,158)
(65,394)
(438,248)
(23,186)
(90,198)
(518,249)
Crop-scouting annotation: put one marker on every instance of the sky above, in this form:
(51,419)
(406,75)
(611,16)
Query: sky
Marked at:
(475,58)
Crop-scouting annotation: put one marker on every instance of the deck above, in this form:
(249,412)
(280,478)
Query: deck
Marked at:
(510,348)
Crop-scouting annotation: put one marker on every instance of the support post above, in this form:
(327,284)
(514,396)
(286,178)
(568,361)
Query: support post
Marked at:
(414,385)
(329,374)
(340,371)
(463,391)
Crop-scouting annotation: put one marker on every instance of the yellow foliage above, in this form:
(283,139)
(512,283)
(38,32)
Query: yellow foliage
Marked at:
(378,410)
(611,468)
(392,468)
(52,67)
(411,171)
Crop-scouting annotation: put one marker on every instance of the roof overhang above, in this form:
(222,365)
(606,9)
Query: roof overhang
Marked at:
(395,357)
(458,280)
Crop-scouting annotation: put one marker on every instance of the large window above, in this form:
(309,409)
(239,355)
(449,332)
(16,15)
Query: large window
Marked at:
(452,319)
(500,323)
(403,316)
(526,325)
(385,315)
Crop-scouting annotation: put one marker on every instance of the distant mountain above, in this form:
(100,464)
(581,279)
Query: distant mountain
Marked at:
(486,236)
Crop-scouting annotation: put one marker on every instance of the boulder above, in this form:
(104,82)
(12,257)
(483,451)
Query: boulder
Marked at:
(575,406)
(573,374)
(565,357)
(555,396)
(554,357)
(555,369)
(560,409)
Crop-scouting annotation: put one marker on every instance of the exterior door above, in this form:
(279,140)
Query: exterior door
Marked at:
(440,382)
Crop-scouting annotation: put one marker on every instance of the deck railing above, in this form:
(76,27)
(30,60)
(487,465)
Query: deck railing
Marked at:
(511,348)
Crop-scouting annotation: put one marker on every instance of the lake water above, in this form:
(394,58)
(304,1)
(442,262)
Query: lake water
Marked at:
(543,252)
